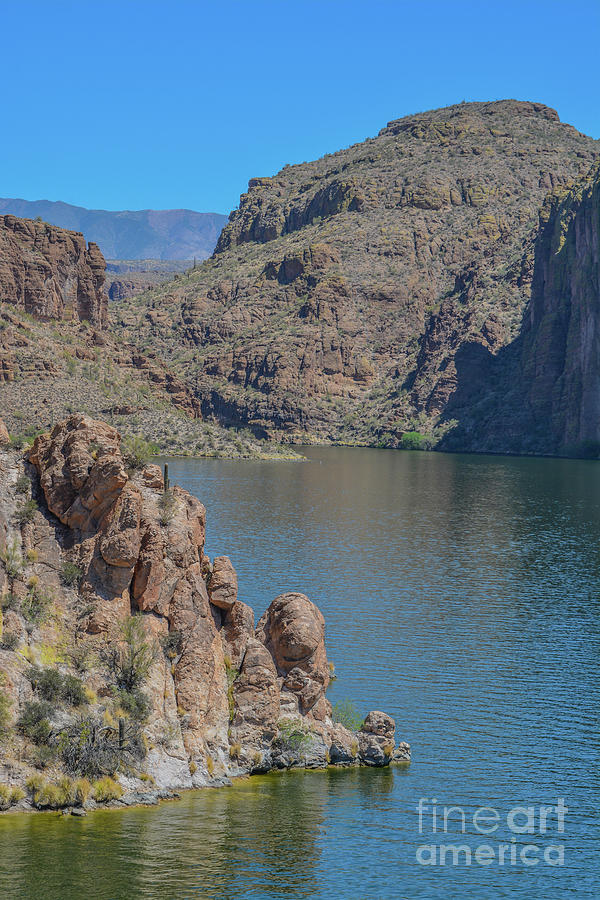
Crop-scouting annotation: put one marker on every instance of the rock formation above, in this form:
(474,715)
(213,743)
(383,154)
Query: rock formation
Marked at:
(222,697)
(50,273)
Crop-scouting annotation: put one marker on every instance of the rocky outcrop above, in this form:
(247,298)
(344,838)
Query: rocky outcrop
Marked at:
(51,273)
(222,697)
(346,293)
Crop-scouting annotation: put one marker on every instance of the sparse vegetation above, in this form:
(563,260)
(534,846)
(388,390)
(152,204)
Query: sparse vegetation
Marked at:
(70,574)
(346,713)
(137,451)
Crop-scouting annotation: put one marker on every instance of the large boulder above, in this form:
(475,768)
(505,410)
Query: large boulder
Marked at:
(293,630)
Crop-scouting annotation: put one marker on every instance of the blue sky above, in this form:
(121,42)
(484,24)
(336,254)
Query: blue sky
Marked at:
(177,104)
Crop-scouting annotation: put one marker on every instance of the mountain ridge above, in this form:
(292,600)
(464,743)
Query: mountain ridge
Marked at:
(129,234)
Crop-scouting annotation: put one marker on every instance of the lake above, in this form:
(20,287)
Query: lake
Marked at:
(460,595)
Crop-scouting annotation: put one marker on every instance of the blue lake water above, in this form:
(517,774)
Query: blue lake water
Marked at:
(461,595)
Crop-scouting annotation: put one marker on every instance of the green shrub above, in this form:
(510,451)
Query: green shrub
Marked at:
(12,558)
(73,691)
(52,686)
(137,451)
(106,789)
(294,735)
(23,483)
(37,605)
(131,664)
(346,713)
(34,721)
(25,512)
(135,703)
(70,574)
(47,683)
(414,440)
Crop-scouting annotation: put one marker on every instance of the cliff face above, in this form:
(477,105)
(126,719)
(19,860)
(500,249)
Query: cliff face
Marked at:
(541,393)
(105,581)
(561,352)
(343,290)
(51,273)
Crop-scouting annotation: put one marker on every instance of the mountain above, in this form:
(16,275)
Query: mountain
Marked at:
(130,234)
(355,298)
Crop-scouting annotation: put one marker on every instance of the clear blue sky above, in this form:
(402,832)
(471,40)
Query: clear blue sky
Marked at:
(169,104)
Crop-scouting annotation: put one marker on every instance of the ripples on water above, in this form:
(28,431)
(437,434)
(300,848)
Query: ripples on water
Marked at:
(460,595)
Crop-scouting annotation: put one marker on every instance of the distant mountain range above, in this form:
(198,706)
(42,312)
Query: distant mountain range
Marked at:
(130,234)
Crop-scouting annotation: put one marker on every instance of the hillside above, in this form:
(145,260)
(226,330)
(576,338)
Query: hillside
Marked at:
(59,353)
(130,234)
(342,290)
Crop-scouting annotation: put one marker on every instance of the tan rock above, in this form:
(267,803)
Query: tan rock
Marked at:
(223,585)
(293,630)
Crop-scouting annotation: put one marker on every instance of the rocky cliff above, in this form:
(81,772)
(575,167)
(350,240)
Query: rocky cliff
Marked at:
(541,393)
(126,654)
(51,273)
(344,292)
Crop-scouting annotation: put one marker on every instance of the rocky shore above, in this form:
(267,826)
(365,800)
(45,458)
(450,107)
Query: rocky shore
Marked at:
(129,667)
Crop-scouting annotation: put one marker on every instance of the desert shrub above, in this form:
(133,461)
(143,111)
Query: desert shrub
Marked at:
(32,555)
(10,640)
(9,796)
(346,713)
(70,574)
(47,796)
(34,721)
(46,682)
(67,791)
(23,483)
(172,644)
(80,658)
(5,705)
(37,604)
(73,691)
(43,756)
(25,512)
(294,736)
(93,748)
(137,451)
(135,703)
(131,664)
(106,789)
(12,558)
(83,789)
